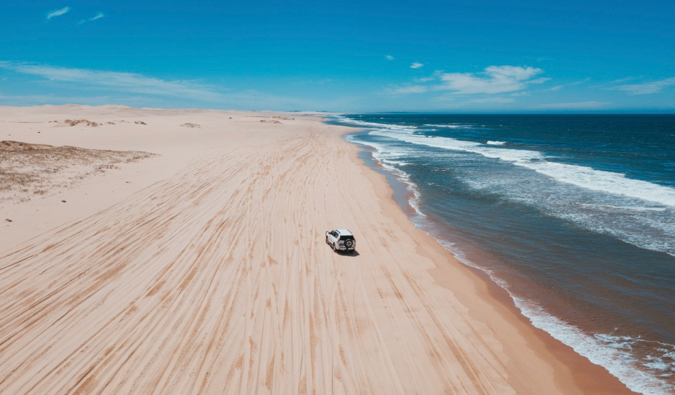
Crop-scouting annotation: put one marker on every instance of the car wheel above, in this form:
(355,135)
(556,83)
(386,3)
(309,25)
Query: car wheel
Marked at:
(333,247)
(327,242)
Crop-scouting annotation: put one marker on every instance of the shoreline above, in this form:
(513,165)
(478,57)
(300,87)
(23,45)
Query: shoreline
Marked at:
(570,366)
(208,273)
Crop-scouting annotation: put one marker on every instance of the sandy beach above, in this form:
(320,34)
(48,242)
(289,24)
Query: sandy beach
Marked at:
(183,251)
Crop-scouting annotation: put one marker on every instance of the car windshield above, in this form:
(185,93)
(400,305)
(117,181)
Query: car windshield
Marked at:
(346,237)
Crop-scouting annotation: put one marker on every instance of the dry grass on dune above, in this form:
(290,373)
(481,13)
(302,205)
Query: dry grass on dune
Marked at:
(27,170)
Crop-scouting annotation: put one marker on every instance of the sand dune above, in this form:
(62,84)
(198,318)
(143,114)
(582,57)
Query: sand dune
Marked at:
(214,278)
(30,170)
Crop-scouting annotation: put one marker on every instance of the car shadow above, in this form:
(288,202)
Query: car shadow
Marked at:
(352,254)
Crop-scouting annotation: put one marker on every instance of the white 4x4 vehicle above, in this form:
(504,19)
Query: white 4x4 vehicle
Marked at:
(341,239)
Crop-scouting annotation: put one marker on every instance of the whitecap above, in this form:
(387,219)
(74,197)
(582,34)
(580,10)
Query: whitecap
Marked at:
(581,176)
(449,126)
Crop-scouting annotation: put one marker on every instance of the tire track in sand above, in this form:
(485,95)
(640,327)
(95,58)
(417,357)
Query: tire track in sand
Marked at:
(218,280)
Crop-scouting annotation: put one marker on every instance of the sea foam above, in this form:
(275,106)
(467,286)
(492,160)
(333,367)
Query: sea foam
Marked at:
(581,176)
(450,126)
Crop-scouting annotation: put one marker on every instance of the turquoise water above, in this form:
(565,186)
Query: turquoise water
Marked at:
(574,215)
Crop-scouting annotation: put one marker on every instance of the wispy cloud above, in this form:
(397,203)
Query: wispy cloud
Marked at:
(622,80)
(495,79)
(107,87)
(404,90)
(128,82)
(493,100)
(455,101)
(389,57)
(59,12)
(647,87)
(559,87)
(416,65)
(586,105)
(93,18)
(424,79)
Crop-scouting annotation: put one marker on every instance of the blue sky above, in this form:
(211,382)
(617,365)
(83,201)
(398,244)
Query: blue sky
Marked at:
(348,56)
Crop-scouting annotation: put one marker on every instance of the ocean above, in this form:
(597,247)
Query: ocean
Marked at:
(574,215)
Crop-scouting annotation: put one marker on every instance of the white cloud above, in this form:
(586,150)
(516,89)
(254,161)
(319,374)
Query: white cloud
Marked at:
(93,18)
(493,100)
(424,79)
(404,90)
(495,79)
(128,82)
(416,65)
(586,105)
(622,80)
(539,80)
(56,13)
(559,87)
(106,87)
(389,57)
(647,87)
(445,98)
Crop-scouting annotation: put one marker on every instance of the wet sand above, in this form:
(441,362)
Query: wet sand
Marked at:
(204,269)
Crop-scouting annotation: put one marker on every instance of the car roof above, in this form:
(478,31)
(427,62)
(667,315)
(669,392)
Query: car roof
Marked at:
(344,232)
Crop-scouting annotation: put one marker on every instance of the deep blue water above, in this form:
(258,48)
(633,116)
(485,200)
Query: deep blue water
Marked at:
(574,215)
